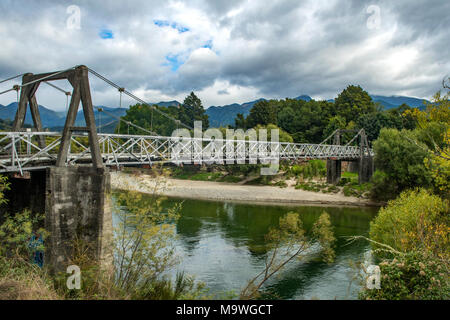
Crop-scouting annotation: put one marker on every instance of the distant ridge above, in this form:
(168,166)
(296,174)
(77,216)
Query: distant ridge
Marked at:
(218,115)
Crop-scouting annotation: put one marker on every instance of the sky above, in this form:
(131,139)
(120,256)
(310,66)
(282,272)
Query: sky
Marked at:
(228,51)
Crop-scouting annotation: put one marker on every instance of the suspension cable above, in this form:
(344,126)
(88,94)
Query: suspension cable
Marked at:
(331,135)
(135,97)
(129,123)
(108,113)
(37,80)
(353,139)
(12,78)
(56,87)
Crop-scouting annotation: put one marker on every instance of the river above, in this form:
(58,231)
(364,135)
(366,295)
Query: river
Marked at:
(222,245)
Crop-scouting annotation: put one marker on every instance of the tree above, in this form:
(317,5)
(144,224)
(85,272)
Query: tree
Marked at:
(352,102)
(240,122)
(416,220)
(304,120)
(283,136)
(433,129)
(400,158)
(289,242)
(148,118)
(192,110)
(263,112)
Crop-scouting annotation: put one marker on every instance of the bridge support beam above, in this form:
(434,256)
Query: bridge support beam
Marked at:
(365,169)
(333,171)
(78,208)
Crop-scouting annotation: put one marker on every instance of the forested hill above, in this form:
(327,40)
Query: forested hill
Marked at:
(218,115)
(225,115)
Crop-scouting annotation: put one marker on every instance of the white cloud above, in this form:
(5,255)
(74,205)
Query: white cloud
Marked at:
(251,49)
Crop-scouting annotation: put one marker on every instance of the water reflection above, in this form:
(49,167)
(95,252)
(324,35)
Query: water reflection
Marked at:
(222,244)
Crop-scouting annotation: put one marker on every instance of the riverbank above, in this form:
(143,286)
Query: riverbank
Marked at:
(221,191)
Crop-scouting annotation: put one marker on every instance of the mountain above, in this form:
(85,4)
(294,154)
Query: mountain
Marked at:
(173,103)
(218,115)
(55,120)
(304,97)
(49,117)
(225,115)
(395,101)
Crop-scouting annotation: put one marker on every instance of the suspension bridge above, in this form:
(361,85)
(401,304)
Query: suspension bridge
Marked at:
(22,150)
(67,174)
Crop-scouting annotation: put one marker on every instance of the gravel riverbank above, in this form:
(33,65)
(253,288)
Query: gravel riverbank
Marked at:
(220,191)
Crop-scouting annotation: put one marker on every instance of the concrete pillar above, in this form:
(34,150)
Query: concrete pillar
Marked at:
(333,171)
(78,208)
(366,169)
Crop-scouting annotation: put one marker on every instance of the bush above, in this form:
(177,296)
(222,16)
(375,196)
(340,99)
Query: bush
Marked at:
(410,277)
(401,158)
(415,220)
(312,169)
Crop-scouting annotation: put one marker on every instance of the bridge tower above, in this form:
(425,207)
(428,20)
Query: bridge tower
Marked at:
(334,165)
(364,165)
(76,198)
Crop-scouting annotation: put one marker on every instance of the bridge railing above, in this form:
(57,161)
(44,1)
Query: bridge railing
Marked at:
(22,151)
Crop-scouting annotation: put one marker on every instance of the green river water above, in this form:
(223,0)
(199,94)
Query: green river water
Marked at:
(222,245)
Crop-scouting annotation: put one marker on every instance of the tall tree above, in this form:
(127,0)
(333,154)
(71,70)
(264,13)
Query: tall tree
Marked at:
(263,112)
(352,102)
(192,110)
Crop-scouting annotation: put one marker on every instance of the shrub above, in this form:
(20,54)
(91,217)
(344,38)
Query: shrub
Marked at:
(401,158)
(410,277)
(415,220)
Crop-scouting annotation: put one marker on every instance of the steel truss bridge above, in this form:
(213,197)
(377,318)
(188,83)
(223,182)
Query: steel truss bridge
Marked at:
(22,150)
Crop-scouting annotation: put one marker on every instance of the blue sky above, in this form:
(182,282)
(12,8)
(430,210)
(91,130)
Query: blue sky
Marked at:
(106,34)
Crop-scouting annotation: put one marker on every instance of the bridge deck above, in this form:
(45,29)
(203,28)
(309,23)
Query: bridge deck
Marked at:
(20,151)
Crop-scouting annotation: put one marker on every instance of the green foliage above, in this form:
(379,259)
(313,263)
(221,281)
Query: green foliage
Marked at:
(287,243)
(4,186)
(415,220)
(283,136)
(304,120)
(312,169)
(263,113)
(192,110)
(184,288)
(17,230)
(352,102)
(281,184)
(401,159)
(323,233)
(411,276)
(146,117)
(392,118)
(143,241)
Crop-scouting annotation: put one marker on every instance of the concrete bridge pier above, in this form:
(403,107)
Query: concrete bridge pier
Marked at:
(77,206)
(333,171)
(365,169)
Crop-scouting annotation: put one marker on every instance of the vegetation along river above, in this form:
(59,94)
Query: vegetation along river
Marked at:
(222,245)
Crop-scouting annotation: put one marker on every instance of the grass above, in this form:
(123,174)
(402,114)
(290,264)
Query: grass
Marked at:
(197,176)
(230,179)
(20,280)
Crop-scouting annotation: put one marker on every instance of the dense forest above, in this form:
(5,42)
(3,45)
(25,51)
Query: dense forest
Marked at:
(304,121)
